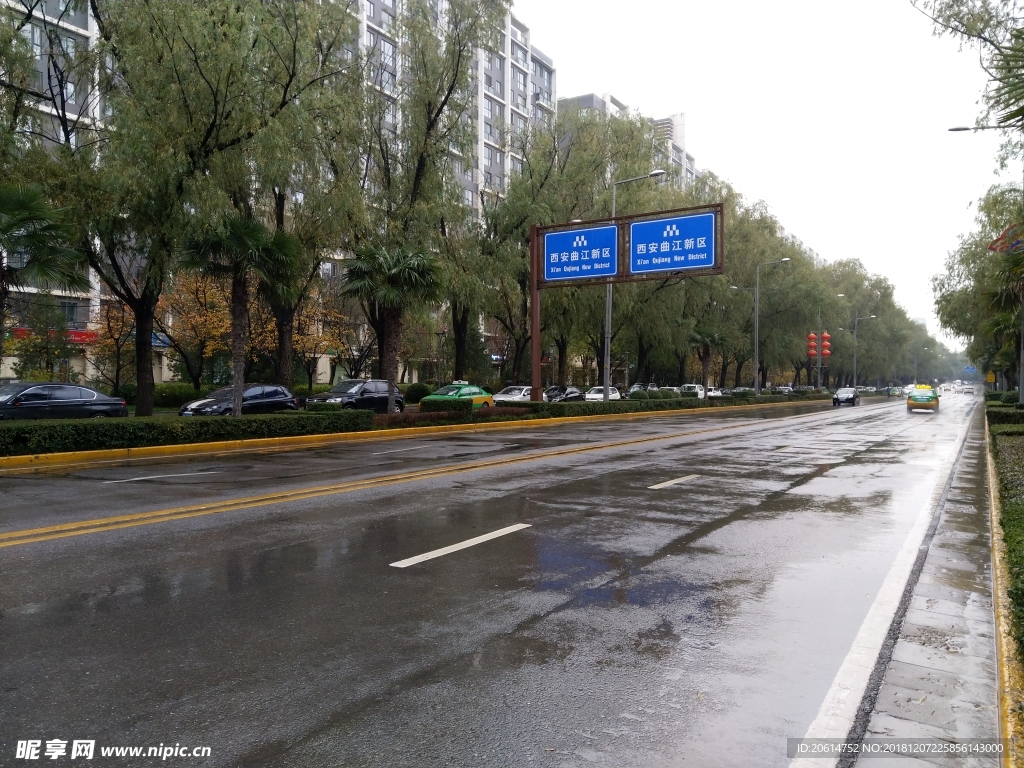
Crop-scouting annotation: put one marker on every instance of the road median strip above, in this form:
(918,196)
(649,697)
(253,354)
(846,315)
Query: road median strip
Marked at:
(121,456)
(100,525)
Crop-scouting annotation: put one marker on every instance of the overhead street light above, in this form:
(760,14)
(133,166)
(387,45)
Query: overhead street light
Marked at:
(607,367)
(1020,371)
(855,321)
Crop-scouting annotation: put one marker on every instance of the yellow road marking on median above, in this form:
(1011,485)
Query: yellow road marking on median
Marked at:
(99,525)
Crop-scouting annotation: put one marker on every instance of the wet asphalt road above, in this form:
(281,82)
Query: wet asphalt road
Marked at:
(700,623)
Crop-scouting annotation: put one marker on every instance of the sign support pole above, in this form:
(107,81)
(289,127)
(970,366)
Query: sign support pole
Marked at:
(536,394)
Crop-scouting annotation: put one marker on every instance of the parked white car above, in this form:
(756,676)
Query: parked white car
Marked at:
(714,392)
(514,395)
(597,394)
(698,388)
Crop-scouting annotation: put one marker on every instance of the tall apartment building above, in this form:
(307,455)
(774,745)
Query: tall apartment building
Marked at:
(514,87)
(55,32)
(670,133)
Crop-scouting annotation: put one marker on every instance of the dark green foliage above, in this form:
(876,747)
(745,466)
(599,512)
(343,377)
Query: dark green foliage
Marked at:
(19,438)
(326,407)
(639,395)
(416,392)
(130,391)
(446,404)
(306,392)
(435,418)
(743,394)
(172,394)
(993,397)
(1009,398)
(686,393)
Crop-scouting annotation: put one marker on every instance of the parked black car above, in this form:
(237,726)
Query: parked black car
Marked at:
(368,394)
(257,398)
(37,400)
(565,395)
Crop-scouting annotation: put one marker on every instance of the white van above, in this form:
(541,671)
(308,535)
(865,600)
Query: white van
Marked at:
(698,388)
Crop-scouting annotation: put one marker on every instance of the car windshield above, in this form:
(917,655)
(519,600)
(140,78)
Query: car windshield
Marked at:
(598,390)
(689,387)
(7,391)
(846,391)
(449,390)
(512,391)
(219,394)
(346,387)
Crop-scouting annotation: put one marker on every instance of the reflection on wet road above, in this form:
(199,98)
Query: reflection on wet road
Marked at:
(636,622)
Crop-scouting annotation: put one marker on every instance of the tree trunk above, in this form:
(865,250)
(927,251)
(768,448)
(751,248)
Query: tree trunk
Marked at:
(284,319)
(460,331)
(562,343)
(724,372)
(239,332)
(519,357)
(5,294)
(392,345)
(705,366)
(681,359)
(145,311)
(739,373)
(643,358)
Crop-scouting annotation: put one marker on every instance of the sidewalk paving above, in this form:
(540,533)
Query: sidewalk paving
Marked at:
(942,680)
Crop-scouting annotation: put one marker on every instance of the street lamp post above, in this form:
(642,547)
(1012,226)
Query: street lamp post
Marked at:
(1020,362)
(855,321)
(757,321)
(607,367)
(821,332)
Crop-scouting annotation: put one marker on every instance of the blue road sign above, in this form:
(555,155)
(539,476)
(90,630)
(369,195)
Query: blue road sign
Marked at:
(970,369)
(672,245)
(576,254)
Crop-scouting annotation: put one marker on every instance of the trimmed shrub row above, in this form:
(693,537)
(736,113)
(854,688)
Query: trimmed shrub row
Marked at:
(416,392)
(1004,415)
(20,438)
(446,405)
(1009,398)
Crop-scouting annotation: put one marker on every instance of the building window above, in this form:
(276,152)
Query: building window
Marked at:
(517,167)
(488,108)
(488,156)
(387,53)
(467,197)
(370,10)
(488,131)
(520,78)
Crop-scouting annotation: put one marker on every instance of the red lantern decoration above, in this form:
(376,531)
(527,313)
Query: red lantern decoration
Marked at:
(826,352)
(812,337)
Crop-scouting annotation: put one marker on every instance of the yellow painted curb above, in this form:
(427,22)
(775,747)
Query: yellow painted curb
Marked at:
(1009,671)
(42,462)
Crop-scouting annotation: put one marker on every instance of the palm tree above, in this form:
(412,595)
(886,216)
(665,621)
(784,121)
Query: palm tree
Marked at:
(243,248)
(390,281)
(34,247)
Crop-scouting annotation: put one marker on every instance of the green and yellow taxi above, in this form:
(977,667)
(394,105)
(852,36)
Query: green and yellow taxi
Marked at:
(923,397)
(463,390)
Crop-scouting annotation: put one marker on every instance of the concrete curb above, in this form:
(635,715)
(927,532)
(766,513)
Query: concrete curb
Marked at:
(114,456)
(1009,672)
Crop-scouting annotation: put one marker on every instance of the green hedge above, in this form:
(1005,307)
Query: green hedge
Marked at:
(993,396)
(599,408)
(1009,460)
(446,405)
(1009,398)
(19,438)
(639,394)
(416,392)
(1004,415)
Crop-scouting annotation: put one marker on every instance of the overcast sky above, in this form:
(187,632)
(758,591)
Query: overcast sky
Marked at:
(834,114)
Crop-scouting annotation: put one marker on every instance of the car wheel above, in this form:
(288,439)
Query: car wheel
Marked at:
(396,408)
(99,416)
(484,405)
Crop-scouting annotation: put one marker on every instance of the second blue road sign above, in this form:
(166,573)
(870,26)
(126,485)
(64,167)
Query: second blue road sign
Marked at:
(672,245)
